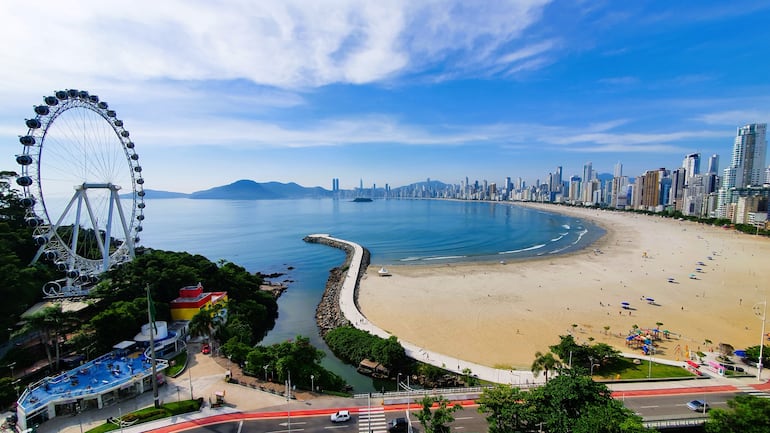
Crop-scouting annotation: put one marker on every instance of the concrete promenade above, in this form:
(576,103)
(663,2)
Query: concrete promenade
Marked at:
(358,320)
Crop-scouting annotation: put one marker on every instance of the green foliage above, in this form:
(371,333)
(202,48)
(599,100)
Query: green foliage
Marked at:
(7,391)
(746,414)
(354,345)
(177,364)
(297,358)
(251,311)
(506,409)
(18,281)
(431,372)
(117,322)
(572,400)
(610,417)
(752,353)
(544,363)
(151,414)
(436,420)
(583,355)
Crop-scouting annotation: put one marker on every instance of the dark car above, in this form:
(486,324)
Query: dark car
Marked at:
(733,368)
(398,425)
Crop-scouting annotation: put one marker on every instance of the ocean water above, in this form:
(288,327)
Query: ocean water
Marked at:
(266,236)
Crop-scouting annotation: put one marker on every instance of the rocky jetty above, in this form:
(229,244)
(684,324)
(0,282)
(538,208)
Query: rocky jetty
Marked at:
(328,315)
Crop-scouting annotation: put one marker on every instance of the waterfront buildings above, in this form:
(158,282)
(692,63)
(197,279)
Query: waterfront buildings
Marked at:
(746,167)
(740,194)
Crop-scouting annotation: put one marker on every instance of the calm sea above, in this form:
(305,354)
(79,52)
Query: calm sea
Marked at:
(266,236)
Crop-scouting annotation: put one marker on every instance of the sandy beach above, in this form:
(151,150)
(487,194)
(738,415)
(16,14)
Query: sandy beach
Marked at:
(499,315)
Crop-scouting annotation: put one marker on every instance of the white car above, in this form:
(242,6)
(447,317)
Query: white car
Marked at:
(340,416)
(698,406)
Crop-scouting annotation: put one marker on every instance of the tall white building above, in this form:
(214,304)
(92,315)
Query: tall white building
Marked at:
(691,164)
(713,164)
(747,164)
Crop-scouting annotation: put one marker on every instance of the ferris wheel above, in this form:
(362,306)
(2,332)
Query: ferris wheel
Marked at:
(82,188)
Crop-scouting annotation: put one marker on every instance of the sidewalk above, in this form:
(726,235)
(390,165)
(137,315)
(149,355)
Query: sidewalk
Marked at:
(206,375)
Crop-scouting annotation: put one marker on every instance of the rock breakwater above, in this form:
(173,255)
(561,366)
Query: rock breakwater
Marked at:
(328,314)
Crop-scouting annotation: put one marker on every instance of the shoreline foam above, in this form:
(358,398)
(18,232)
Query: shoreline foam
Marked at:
(500,315)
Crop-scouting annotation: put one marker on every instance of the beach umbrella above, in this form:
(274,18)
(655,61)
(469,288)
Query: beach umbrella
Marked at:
(650,300)
(625,304)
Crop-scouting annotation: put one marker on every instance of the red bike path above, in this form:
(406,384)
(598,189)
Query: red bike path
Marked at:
(240,416)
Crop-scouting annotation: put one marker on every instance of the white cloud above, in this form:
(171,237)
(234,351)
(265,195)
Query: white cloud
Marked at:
(735,118)
(288,44)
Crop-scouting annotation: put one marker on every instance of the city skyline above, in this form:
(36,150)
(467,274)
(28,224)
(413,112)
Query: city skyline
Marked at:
(394,94)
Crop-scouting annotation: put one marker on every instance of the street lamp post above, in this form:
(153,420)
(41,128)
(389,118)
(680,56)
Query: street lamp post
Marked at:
(649,368)
(398,382)
(761,315)
(120,419)
(266,367)
(288,400)
(189,376)
(11,366)
(593,364)
(312,384)
(78,410)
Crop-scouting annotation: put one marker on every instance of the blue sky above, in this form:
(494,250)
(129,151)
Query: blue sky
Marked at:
(398,91)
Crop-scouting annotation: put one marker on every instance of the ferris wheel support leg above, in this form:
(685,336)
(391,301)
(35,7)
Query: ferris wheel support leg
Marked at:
(76,229)
(108,233)
(126,232)
(55,227)
(94,223)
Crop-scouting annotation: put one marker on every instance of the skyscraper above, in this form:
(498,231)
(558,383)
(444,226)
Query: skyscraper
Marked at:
(747,164)
(691,164)
(618,170)
(586,194)
(713,164)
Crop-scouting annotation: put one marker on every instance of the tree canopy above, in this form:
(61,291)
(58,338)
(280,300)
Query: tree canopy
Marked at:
(277,362)
(745,414)
(354,345)
(568,403)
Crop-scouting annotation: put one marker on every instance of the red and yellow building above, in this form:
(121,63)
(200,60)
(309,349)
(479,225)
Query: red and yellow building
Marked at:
(193,299)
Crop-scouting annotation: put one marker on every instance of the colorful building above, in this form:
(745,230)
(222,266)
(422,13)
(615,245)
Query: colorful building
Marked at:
(193,299)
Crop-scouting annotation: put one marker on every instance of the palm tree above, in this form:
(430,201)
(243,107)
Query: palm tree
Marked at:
(207,322)
(51,322)
(201,324)
(544,363)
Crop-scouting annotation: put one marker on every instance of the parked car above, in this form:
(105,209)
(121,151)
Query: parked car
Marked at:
(398,425)
(698,405)
(732,367)
(205,349)
(341,416)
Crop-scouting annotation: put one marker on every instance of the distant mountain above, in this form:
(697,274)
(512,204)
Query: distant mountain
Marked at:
(433,185)
(250,190)
(157,194)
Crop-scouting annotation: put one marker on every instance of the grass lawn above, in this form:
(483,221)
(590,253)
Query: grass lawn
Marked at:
(624,368)
(177,364)
(151,414)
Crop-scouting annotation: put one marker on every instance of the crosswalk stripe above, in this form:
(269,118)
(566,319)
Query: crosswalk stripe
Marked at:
(372,417)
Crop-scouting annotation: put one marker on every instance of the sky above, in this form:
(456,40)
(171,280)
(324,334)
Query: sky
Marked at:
(394,92)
